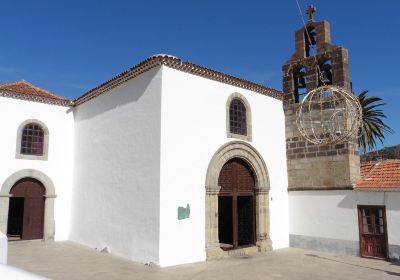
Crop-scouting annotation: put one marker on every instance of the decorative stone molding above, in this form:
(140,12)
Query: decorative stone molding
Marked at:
(243,150)
(49,223)
(18,153)
(261,190)
(229,134)
(212,190)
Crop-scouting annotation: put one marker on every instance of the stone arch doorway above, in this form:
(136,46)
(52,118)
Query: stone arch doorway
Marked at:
(247,154)
(26,210)
(236,219)
(49,196)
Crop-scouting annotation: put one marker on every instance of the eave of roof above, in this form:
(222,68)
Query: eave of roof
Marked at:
(178,64)
(378,189)
(26,91)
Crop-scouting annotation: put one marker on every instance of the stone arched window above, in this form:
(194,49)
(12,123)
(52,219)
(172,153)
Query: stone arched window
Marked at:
(310,38)
(299,83)
(238,117)
(325,76)
(32,140)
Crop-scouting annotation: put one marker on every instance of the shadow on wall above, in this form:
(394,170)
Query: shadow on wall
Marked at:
(392,200)
(353,198)
(349,201)
(122,94)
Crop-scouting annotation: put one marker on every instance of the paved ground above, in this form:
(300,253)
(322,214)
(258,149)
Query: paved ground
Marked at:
(67,260)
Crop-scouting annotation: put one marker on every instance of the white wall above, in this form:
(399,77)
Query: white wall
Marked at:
(328,214)
(193,128)
(116,169)
(332,215)
(58,167)
(10,272)
(3,248)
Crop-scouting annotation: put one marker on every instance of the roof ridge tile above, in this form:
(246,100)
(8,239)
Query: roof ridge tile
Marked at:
(21,89)
(178,64)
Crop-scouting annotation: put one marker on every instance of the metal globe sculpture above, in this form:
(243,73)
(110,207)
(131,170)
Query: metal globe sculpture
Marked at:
(329,115)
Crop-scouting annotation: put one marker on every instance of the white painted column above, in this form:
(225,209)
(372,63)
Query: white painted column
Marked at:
(3,248)
(4,204)
(49,222)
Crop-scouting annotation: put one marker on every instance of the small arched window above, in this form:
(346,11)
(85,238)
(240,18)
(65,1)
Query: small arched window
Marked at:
(32,142)
(238,117)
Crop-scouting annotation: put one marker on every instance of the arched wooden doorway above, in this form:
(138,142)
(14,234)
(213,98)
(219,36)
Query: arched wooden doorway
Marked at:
(236,213)
(26,210)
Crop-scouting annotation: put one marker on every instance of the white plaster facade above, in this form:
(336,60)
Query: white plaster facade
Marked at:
(10,272)
(143,149)
(328,220)
(117,170)
(199,106)
(55,172)
(3,248)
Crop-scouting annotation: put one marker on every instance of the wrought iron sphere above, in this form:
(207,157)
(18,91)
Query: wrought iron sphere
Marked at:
(329,115)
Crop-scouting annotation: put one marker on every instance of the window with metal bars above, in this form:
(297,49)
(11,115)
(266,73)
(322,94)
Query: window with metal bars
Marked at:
(237,117)
(32,140)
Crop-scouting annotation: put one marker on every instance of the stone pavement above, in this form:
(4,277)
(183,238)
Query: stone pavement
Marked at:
(68,260)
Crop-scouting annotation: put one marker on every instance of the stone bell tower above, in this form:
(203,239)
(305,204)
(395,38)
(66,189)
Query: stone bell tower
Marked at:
(316,62)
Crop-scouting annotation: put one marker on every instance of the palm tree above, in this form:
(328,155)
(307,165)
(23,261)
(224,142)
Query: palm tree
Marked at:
(373,128)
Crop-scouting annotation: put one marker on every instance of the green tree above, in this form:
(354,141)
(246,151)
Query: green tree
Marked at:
(373,127)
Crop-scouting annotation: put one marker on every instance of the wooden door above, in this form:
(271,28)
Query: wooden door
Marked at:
(15,217)
(236,221)
(32,192)
(373,232)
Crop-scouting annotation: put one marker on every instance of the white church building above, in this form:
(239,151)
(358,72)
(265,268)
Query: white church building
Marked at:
(115,165)
(171,162)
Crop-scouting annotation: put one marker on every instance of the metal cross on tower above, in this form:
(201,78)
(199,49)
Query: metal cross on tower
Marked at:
(310,12)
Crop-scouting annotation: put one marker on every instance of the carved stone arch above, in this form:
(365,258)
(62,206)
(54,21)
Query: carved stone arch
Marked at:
(49,223)
(242,150)
(229,134)
(18,153)
(238,149)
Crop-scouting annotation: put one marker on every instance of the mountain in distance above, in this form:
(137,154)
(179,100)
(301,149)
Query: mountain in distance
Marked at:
(384,153)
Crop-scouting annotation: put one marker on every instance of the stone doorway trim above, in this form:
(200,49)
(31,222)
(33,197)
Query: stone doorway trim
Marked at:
(49,223)
(246,152)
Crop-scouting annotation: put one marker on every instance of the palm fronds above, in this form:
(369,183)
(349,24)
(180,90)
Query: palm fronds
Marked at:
(373,127)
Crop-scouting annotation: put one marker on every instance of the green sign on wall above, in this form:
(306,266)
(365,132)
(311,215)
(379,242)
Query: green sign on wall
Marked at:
(183,213)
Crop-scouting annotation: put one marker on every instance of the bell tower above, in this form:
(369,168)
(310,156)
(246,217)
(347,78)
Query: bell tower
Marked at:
(315,62)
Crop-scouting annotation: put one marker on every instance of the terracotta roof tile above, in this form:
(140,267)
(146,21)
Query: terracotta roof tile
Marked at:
(379,174)
(178,64)
(25,90)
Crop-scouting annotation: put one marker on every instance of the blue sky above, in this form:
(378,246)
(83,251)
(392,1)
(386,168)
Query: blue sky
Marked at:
(71,46)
